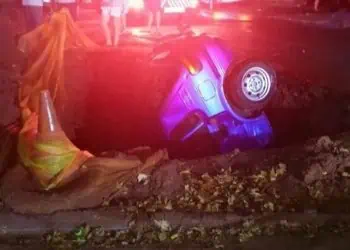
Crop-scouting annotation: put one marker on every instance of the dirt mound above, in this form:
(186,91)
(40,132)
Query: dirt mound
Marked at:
(275,180)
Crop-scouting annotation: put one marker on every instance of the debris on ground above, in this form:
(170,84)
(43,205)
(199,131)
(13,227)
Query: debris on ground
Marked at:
(290,179)
(254,187)
(161,234)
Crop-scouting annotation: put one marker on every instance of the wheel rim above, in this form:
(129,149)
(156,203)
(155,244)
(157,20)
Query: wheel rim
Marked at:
(256,84)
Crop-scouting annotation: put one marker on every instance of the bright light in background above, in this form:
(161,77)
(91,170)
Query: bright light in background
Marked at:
(219,16)
(193,3)
(137,32)
(226,16)
(244,18)
(196,31)
(136,4)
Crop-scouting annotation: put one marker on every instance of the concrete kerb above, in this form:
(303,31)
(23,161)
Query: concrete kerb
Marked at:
(18,224)
(108,218)
(113,219)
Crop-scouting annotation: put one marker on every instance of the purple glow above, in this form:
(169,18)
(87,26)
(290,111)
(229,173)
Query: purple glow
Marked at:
(199,100)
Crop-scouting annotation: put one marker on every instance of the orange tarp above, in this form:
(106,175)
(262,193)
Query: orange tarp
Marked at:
(48,155)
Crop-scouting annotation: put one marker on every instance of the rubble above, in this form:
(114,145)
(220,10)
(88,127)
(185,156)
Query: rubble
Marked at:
(236,195)
(253,182)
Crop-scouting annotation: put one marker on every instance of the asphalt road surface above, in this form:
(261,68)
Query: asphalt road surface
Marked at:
(310,47)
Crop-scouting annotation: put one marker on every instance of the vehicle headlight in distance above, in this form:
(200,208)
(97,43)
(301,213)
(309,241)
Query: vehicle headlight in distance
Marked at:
(193,3)
(220,16)
(244,18)
(136,4)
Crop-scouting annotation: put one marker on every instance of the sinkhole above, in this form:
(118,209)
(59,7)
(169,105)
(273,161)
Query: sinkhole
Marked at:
(122,104)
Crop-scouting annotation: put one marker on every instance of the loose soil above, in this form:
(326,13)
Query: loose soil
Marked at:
(317,172)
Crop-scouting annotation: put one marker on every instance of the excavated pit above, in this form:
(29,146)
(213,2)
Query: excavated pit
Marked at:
(312,98)
(114,105)
(122,104)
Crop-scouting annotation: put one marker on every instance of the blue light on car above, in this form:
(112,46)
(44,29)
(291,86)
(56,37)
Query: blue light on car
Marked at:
(207,90)
(186,98)
(205,86)
(199,89)
(260,130)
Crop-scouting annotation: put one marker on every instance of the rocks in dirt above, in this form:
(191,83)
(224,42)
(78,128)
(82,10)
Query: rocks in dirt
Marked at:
(330,159)
(252,182)
(324,143)
(163,181)
(166,181)
(327,176)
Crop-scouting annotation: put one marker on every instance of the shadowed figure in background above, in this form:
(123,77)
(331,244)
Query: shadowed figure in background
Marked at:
(111,10)
(124,15)
(33,13)
(183,22)
(331,4)
(154,8)
(71,5)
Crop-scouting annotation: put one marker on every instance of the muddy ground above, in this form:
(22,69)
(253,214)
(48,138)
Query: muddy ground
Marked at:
(301,109)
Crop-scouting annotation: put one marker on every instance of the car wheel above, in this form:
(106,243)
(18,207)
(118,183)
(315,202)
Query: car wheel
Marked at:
(249,87)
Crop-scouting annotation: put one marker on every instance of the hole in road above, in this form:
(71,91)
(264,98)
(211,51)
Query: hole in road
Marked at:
(123,103)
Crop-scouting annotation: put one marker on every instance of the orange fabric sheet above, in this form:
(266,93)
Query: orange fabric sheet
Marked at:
(50,158)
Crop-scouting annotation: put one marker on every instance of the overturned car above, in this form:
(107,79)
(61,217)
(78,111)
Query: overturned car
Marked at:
(216,94)
(188,92)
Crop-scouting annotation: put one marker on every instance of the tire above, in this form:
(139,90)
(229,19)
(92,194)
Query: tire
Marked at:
(249,87)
